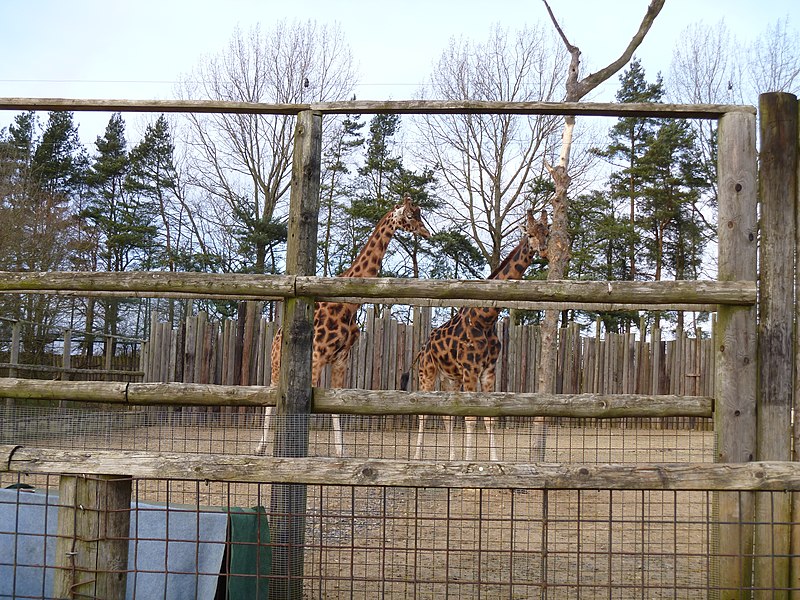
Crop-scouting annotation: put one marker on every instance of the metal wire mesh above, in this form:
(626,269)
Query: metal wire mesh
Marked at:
(398,542)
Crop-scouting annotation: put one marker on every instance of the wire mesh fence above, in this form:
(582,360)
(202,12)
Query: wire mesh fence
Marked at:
(369,541)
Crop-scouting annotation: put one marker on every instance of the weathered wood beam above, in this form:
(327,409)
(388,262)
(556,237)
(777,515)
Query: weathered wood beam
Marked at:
(735,344)
(494,292)
(777,183)
(754,476)
(366,402)
(697,111)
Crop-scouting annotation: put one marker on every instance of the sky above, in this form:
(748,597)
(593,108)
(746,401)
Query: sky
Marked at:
(138,50)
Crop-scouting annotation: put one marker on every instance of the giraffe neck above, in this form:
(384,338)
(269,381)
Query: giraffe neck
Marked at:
(368,261)
(513,267)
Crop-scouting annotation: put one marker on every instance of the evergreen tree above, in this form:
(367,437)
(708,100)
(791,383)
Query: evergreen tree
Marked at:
(152,180)
(600,234)
(335,192)
(630,139)
(454,256)
(123,223)
(39,170)
(675,232)
(383,181)
(381,166)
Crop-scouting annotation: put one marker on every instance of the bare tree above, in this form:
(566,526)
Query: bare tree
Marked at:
(558,249)
(704,70)
(710,66)
(488,162)
(243,162)
(772,61)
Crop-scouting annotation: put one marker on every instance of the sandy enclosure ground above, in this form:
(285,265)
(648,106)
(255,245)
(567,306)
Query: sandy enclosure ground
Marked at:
(365,542)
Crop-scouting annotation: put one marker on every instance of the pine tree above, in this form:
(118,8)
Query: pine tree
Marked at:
(336,190)
(123,223)
(630,138)
(152,180)
(40,171)
(675,233)
(383,181)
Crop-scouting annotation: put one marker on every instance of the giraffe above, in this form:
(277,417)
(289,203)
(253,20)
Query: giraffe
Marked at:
(335,326)
(464,351)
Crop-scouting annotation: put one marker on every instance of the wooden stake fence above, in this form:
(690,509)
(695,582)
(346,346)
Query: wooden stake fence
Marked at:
(735,364)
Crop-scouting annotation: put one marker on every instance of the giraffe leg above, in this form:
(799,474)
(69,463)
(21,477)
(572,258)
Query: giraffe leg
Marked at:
(487,385)
(469,383)
(427,382)
(261,449)
(469,437)
(275,361)
(449,421)
(420,437)
(338,372)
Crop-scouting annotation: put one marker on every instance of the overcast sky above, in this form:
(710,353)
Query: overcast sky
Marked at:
(137,50)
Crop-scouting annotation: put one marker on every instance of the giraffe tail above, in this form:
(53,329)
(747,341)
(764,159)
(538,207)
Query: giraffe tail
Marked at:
(404,380)
(407,375)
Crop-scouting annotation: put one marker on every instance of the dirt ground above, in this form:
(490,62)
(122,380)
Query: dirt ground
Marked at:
(364,542)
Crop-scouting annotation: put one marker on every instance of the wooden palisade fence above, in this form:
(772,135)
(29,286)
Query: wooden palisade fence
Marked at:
(742,466)
(237,352)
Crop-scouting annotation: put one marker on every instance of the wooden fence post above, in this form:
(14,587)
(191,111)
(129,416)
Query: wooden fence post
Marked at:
(92,541)
(16,334)
(778,194)
(288,501)
(735,388)
(66,356)
(16,330)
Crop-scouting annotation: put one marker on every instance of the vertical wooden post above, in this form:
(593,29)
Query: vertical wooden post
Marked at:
(778,194)
(66,357)
(735,395)
(16,334)
(288,502)
(93,531)
(108,357)
(16,330)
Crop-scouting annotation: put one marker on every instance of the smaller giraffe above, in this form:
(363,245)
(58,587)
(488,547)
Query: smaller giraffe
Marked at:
(335,325)
(463,352)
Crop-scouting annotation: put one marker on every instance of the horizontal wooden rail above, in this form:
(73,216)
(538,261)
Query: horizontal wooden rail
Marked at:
(490,291)
(702,111)
(753,476)
(366,402)
(68,370)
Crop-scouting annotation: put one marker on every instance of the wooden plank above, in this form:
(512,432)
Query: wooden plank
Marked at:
(490,292)
(736,372)
(352,401)
(699,111)
(730,477)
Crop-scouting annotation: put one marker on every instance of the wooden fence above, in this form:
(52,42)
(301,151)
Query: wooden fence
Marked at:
(237,352)
(739,538)
(65,355)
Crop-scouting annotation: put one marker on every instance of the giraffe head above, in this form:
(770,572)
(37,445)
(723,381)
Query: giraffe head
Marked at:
(406,216)
(537,232)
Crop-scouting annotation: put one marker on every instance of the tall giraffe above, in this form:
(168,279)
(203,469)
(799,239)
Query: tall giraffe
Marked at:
(464,351)
(335,326)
